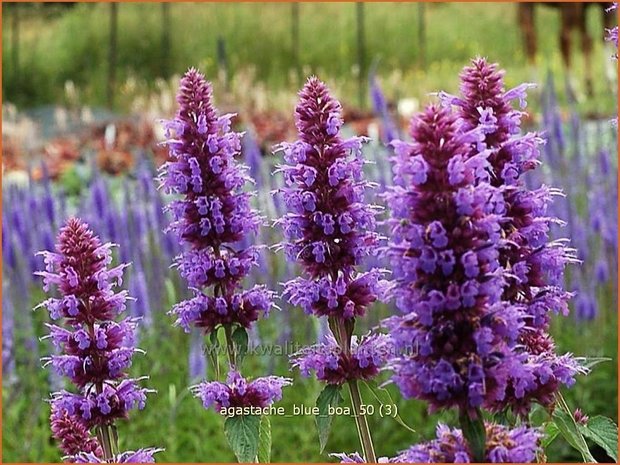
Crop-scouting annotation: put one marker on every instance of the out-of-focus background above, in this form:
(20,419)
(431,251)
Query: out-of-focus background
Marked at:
(85,85)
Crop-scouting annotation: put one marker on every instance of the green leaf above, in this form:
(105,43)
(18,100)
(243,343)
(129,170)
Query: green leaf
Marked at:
(384,398)
(475,434)
(264,440)
(330,396)
(242,433)
(240,339)
(604,432)
(568,428)
(551,432)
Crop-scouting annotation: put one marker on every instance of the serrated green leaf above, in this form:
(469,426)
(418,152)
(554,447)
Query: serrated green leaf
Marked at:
(604,432)
(330,396)
(240,339)
(568,428)
(551,431)
(242,433)
(384,398)
(264,440)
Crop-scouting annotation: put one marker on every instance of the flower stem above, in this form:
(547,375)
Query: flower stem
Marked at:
(343,331)
(232,356)
(472,425)
(103,433)
(362,422)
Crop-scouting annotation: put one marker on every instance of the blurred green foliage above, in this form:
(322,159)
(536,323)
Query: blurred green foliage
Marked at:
(72,44)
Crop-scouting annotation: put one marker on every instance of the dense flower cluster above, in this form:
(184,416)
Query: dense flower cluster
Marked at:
(533,265)
(238,392)
(95,350)
(446,235)
(503,445)
(72,435)
(213,214)
(324,297)
(335,366)
(329,227)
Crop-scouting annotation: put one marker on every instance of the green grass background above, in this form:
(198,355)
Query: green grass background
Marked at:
(60,45)
(71,45)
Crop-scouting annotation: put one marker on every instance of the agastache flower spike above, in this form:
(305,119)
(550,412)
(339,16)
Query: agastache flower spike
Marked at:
(213,215)
(329,229)
(456,334)
(96,350)
(533,263)
(213,221)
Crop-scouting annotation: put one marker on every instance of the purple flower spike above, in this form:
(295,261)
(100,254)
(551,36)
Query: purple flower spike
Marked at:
(503,445)
(329,227)
(238,392)
(455,336)
(214,209)
(329,230)
(95,351)
(333,366)
(533,264)
(213,217)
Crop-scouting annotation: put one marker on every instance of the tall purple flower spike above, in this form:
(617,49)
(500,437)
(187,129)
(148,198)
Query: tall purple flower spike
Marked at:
(533,264)
(95,349)
(329,228)
(212,220)
(456,335)
(213,216)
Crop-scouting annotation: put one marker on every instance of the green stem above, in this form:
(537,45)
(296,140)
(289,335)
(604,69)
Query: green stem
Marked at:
(362,423)
(103,434)
(343,331)
(474,432)
(232,355)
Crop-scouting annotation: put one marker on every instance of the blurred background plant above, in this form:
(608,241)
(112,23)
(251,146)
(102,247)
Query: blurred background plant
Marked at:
(80,139)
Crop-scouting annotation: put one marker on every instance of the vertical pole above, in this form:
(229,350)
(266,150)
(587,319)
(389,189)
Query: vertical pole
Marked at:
(165,39)
(422,34)
(222,61)
(361,54)
(295,40)
(15,40)
(112,53)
